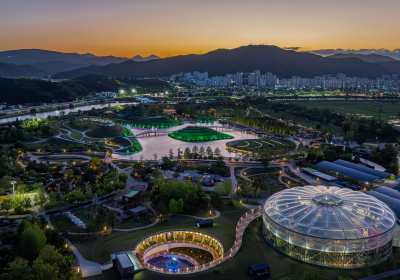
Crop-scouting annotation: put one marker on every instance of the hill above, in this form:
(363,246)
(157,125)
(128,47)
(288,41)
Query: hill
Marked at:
(284,63)
(139,58)
(373,58)
(30,56)
(20,91)
(12,70)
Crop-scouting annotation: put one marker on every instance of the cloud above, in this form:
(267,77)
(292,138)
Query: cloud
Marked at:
(395,53)
(293,48)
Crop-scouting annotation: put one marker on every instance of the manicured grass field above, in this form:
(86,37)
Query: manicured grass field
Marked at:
(257,145)
(56,141)
(198,134)
(255,250)
(76,135)
(361,109)
(120,141)
(302,121)
(106,131)
(159,122)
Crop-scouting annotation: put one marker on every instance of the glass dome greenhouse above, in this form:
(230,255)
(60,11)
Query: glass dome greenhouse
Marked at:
(329,226)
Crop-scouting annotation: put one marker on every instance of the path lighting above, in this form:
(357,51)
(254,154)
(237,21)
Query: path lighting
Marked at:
(79,269)
(66,245)
(13,183)
(105,228)
(240,201)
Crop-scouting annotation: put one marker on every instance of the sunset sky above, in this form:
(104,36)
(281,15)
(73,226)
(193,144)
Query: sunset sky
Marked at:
(162,27)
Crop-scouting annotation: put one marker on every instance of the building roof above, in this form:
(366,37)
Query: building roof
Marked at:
(124,260)
(388,191)
(393,203)
(361,168)
(329,213)
(361,176)
(324,176)
(132,193)
(137,209)
(260,266)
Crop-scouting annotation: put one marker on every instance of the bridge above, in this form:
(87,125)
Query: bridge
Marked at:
(152,133)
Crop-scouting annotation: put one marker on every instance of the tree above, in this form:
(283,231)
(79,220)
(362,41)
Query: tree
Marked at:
(155,156)
(123,177)
(179,153)
(247,189)
(167,163)
(155,174)
(195,150)
(175,175)
(171,153)
(360,140)
(176,206)
(202,151)
(6,205)
(257,190)
(18,269)
(27,201)
(21,188)
(265,159)
(40,197)
(209,151)
(47,147)
(94,162)
(69,173)
(70,148)
(111,219)
(330,155)
(32,240)
(217,152)
(187,153)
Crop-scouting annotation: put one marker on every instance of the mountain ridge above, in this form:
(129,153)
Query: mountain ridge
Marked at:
(284,63)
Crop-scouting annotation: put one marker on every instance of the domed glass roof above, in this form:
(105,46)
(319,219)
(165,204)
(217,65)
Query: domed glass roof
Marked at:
(332,213)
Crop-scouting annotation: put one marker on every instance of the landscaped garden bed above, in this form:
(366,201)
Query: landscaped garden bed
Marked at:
(198,134)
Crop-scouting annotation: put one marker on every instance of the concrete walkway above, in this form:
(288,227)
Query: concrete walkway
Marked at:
(217,214)
(88,268)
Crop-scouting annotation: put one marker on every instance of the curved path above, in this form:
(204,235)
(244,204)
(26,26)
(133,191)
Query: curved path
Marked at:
(240,228)
(217,214)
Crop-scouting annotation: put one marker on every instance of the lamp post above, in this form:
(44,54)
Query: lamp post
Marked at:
(13,183)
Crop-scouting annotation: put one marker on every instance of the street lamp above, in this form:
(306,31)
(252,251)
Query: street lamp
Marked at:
(13,183)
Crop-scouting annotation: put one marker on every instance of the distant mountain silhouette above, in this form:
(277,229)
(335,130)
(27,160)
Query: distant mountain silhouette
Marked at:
(365,57)
(104,60)
(30,56)
(139,58)
(284,63)
(12,70)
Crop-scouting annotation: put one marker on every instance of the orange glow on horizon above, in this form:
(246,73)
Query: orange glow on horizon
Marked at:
(179,27)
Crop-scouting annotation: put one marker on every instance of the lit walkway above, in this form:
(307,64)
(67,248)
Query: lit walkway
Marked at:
(88,268)
(240,228)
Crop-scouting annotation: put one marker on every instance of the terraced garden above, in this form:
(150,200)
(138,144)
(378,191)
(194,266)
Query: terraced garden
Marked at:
(108,131)
(198,134)
(159,122)
(136,147)
(207,120)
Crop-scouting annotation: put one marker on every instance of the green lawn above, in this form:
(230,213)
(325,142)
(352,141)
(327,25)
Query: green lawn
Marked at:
(255,250)
(256,145)
(361,109)
(302,121)
(76,135)
(224,229)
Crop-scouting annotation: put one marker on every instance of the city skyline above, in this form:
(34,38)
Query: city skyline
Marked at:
(126,29)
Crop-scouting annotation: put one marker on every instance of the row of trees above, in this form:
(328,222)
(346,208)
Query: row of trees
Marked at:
(194,152)
(37,254)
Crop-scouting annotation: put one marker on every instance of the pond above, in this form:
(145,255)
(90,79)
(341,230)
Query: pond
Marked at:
(161,145)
